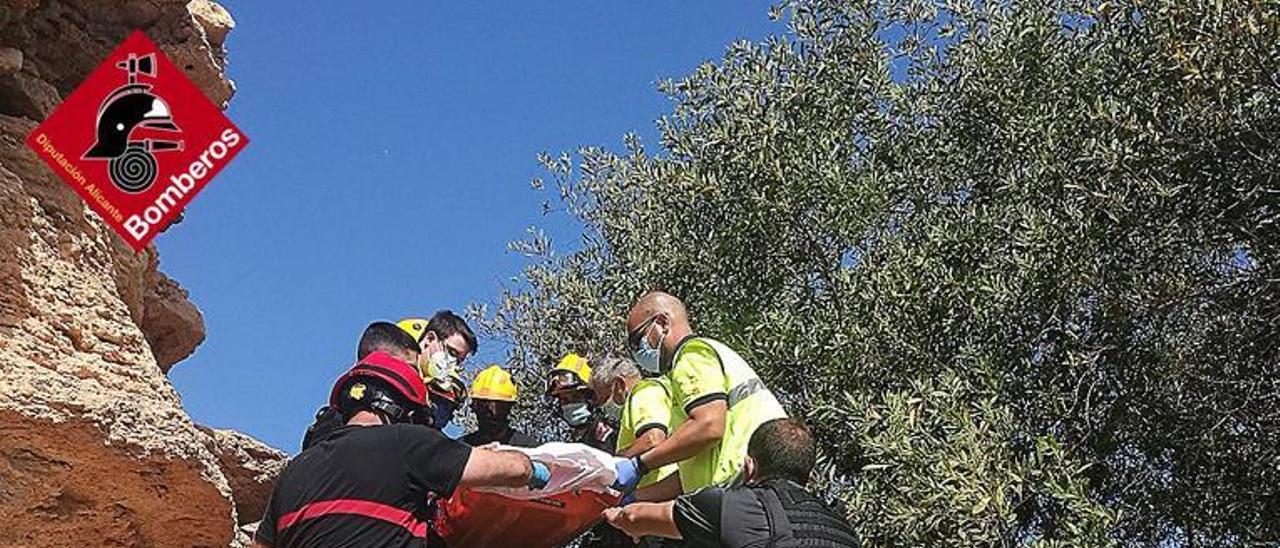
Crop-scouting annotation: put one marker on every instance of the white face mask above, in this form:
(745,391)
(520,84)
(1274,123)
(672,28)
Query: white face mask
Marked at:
(612,410)
(439,363)
(442,364)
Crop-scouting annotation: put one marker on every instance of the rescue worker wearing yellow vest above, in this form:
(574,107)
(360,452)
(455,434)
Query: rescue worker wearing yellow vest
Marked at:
(445,340)
(641,407)
(568,384)
(718,401)
(493,395)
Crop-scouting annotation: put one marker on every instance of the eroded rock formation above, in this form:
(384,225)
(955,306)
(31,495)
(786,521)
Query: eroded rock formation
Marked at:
(95,448)
(251,468)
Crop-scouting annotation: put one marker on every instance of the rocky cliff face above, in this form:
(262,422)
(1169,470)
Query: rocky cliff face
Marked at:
(95,448)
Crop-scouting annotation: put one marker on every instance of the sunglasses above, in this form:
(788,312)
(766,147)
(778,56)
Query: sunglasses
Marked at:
(564,381)
(633,338)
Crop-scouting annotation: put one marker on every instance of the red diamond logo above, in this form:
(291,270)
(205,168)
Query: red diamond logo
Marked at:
(137,140)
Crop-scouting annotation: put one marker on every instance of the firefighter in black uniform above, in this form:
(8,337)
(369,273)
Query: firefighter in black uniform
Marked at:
(370,481)
(772,510)
(378,337)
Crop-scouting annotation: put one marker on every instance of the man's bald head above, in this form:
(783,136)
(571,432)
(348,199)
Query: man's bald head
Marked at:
(654,303)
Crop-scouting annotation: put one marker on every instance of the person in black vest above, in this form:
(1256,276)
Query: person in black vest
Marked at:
(772,509)
(371,481)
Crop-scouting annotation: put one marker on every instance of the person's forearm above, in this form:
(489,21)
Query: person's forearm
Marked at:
(704,429)
(646,519)
(488,468)
(666,489)
(650,439)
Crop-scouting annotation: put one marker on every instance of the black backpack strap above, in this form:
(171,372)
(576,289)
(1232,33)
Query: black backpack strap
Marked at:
(779,521)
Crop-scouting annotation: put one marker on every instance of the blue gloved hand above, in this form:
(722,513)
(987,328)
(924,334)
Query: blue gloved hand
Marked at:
(628,474)
(540,477)
(627,499)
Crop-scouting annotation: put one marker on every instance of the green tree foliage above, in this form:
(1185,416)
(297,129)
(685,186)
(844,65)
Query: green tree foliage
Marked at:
(1018,264)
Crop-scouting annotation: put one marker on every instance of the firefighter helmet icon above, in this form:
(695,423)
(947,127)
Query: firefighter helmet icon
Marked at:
(132,164)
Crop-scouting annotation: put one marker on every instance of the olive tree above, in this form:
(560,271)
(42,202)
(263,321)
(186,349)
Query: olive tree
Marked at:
(1016,263)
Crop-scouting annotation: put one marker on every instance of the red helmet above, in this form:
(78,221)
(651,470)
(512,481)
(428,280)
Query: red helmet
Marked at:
(400,376)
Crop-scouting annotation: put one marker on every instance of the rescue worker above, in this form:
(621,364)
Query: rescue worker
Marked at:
(378,337)
(568,384)
(369,482)
(717,401)
(640,405)
(445,340)
(493,395)
(772,509)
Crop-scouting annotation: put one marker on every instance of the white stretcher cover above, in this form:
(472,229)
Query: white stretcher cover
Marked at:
(574,467)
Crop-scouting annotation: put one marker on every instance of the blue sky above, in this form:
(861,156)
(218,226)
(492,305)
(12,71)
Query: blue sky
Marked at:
(390,156)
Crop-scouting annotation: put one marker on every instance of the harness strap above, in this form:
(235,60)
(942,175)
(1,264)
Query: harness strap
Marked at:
(779,524)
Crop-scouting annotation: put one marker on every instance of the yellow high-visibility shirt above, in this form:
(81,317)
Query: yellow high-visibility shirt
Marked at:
(703,371)
(648,406)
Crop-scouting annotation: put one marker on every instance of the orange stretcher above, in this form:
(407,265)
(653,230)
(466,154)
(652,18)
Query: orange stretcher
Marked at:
(473,519)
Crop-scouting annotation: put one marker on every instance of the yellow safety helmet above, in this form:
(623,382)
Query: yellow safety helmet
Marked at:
(415,327)
(572,373)
(493,384)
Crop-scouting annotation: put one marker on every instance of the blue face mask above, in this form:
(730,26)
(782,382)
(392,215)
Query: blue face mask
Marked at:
(575,413)
(649,359)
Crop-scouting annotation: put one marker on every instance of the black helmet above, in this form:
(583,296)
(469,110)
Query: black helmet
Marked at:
(128,108)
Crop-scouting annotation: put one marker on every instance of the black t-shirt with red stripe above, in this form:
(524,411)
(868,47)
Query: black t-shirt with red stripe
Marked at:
(363,486)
